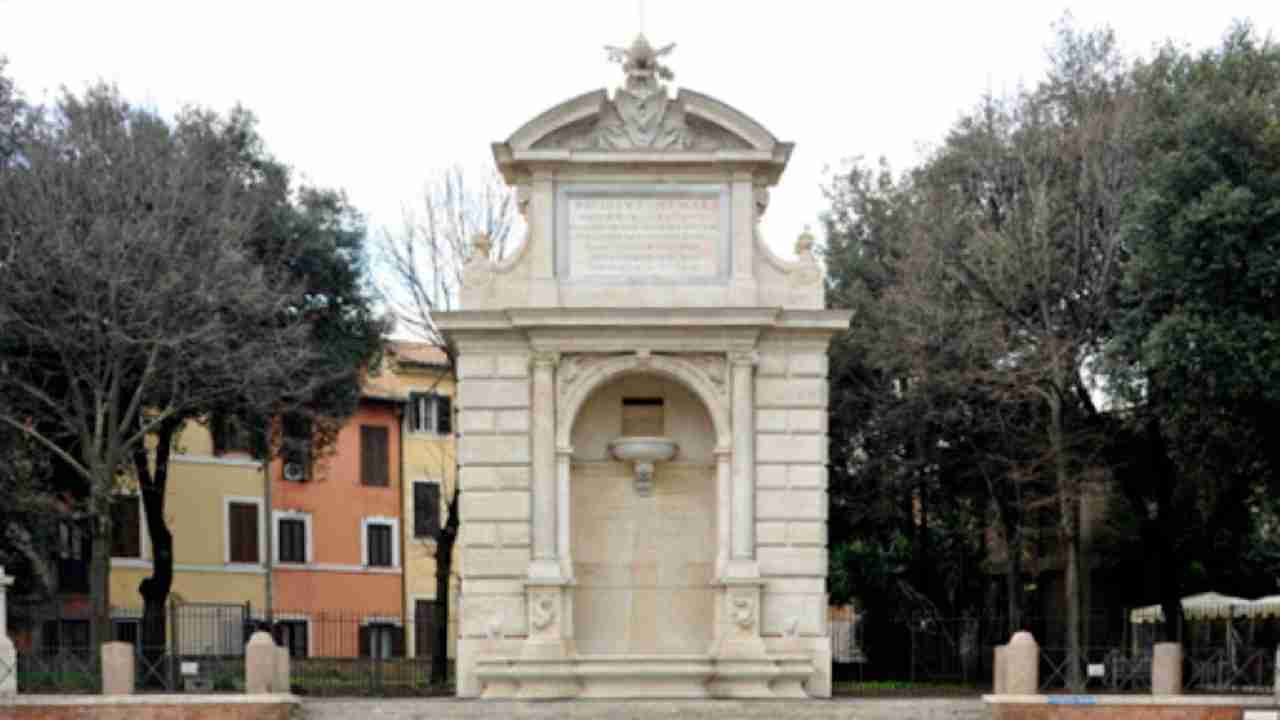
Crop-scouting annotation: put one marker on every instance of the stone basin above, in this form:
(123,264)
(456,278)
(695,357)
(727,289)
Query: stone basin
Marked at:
(643,451)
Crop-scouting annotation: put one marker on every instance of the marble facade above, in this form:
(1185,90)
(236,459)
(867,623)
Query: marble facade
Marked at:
(643,287)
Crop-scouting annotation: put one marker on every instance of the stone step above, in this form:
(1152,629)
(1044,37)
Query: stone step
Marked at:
(838,709)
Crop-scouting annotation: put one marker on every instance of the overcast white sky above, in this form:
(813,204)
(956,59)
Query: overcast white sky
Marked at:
(374,97)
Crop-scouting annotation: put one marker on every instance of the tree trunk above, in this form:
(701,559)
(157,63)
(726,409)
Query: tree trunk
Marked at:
(155,589)
(444,569)
(100,580)
(1069,537)
(1013,577)
(100,560)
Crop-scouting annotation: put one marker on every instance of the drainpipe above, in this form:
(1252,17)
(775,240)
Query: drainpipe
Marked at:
(268,524)
(404,528)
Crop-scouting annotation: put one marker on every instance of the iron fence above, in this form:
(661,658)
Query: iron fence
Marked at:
(926,656)
(333,653)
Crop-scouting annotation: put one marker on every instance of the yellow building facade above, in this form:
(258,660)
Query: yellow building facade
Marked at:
(419,374)
(202,489)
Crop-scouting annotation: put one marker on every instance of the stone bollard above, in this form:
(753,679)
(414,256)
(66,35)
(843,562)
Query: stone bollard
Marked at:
(117,668)
(1022,665)
(8,653)
(281,681)
(259,664)
(1166,669)
(997,670)
(1276,681)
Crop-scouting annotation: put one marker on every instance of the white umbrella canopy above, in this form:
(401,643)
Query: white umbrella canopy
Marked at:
(1266,607)
(1202,606)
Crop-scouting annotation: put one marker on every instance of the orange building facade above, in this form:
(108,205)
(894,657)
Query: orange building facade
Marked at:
(336,544)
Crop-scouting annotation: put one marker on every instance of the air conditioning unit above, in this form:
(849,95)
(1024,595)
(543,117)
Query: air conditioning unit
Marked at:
(295,472)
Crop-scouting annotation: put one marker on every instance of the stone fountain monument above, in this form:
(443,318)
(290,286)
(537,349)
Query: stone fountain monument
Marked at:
(643,413)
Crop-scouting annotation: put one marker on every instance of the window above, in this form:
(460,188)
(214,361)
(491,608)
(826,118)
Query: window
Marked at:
(127,631)
(291,539)
(126,527)
(231,434)
(424,627)
(642,417)
(292,634)
(426,509)
(75,547)
(381,640)
(243,531)
(379,546)
(296,447)
(375,465)
(430,413)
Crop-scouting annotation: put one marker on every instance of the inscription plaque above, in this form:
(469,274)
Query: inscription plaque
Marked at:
(644,234)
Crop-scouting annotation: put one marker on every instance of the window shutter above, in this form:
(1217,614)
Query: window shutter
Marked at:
(374,451)
(126,537)
(218,433)
(444,415)
(244,533)
(397,642)
(426,509)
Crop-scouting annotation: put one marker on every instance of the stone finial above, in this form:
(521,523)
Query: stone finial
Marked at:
(1022,665)
(804,243)
(482,244)
(1277,677)
(259,664)
(1166,669)
(117,668)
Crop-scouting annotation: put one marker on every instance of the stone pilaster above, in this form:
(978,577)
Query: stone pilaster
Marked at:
(543,289)
(742,286)
(545,565)
(724,502)
(564,458)
(742,556)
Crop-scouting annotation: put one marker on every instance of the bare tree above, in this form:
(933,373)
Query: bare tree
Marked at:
(423,264)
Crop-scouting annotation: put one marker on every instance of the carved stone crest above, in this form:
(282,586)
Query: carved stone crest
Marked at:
(641,115)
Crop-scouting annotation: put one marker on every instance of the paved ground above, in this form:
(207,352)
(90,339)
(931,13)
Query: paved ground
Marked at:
(838,709)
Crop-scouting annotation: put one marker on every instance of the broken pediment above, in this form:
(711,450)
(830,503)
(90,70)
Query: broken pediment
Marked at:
(641,118)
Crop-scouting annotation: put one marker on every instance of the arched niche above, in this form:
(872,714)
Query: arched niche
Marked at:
(705,377)
(644,565)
